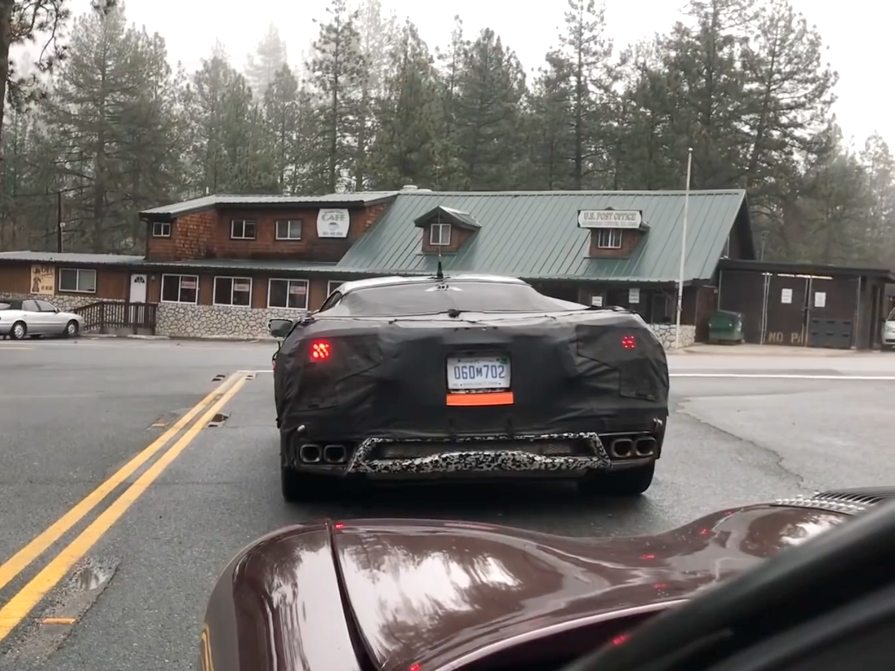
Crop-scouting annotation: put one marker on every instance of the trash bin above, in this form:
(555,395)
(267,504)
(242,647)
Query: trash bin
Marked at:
(726,327)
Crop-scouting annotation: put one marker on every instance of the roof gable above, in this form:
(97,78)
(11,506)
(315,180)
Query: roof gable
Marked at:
(535,235)
(448,215)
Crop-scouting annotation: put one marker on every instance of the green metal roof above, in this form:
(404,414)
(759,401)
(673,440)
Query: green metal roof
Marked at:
(535,235)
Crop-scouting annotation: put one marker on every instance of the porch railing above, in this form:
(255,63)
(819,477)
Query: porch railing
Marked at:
(104,316)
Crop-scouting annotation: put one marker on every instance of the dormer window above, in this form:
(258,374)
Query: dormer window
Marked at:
(609,238)
(614,234)
(445,229)
(440,235)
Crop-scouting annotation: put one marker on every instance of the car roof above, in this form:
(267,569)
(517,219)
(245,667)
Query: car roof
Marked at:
(404,280)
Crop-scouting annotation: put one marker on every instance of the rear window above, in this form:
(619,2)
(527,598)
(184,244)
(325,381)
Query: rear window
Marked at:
(891,316)
(10,305)
(425,299)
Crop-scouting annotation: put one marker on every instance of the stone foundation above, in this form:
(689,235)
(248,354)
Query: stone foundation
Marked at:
(666,334)
(64,302)
(204,321)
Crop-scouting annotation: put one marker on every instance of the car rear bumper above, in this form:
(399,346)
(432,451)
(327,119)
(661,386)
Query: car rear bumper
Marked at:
(560,455)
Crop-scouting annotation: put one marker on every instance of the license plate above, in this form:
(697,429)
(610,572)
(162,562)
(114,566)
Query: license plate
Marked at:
(478,373)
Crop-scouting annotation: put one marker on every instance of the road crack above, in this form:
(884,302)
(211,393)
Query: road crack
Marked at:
(776,458)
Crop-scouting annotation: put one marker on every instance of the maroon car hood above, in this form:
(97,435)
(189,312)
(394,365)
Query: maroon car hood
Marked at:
(435,592)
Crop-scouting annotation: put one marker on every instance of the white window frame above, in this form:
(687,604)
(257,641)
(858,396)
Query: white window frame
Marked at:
(289,280)
(439,226)
(77,289)
(289,224)
(254,224)
(233,279)
(613,238)
(158,228)
(179,277)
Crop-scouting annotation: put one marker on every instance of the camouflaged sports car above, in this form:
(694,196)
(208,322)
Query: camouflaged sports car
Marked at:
(467,376)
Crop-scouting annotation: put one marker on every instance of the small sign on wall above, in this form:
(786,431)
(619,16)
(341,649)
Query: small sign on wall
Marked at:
(333,223)
(596,301)
(43,280)
(634,296)
(820,299)
(786,296)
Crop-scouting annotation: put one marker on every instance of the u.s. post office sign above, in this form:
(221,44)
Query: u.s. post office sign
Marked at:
(610,218)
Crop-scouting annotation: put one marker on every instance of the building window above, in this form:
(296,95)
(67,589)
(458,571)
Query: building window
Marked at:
(332,285)
(242,229)
(609,238)
(287,294)
(180,288)
(161,229)
(233,291)
(289,229)
(440,235)
(77,280)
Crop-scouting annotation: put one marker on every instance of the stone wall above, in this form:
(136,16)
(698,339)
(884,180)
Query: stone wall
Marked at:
(203,321)
(666,334)
(64,302)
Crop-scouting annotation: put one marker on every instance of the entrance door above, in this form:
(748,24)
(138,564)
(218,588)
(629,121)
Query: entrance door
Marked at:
(787,308)
(138,289)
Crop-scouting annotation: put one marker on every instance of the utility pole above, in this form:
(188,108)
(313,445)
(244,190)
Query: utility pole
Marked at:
(59,225)
(680,285)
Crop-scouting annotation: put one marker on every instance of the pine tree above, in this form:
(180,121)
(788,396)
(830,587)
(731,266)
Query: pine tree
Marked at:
(268,59)
(490,88)
(282,118)
(549,140)
(110,114)
(337,71)
(405,148)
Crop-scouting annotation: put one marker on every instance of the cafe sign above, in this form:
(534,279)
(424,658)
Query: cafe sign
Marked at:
(333,223)
(610,218)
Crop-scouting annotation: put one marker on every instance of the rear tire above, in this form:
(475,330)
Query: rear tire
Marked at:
(628,482)
(18,331)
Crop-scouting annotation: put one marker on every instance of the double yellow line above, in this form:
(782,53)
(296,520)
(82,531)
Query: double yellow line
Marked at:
(22,603)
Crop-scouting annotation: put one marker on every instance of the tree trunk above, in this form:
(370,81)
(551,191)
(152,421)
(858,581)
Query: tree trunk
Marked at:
(5,38)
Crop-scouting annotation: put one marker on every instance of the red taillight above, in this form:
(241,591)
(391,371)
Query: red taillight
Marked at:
(621,639)
(629,342)
(320,350)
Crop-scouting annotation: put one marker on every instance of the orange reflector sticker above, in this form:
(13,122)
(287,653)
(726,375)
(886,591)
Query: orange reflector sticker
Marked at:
(492,398)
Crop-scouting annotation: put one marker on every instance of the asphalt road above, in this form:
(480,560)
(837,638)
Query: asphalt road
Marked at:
(126,581)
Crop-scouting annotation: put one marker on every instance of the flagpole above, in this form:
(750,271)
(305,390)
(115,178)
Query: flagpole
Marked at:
(680,281)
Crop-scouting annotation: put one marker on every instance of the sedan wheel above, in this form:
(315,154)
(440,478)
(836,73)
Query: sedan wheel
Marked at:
(18,331)
(71,329)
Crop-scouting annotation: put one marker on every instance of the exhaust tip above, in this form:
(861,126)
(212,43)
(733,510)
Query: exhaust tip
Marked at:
(310,453)
(622,447)
(334,454)
(645,447)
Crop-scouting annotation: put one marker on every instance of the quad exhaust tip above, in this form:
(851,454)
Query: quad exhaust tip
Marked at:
(310,453)
(334,454)
(641,446)
(622,447)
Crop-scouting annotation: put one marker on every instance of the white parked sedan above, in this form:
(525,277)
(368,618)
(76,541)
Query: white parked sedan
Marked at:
(889,330)
(23,318)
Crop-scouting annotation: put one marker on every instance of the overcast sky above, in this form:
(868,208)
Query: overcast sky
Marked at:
(858,35)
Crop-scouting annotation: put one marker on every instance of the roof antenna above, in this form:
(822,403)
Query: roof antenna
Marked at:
(439,274)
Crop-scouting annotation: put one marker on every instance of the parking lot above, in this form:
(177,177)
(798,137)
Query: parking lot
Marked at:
(116,515)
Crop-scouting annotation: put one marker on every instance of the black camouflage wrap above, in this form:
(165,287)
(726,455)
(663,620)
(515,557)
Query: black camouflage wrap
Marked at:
(386,378)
